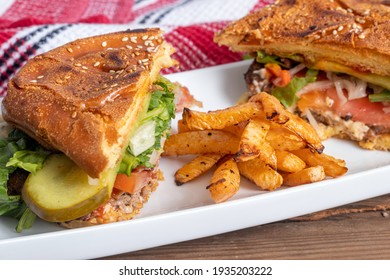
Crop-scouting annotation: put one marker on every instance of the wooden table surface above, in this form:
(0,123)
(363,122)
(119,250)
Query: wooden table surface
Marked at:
(357,231)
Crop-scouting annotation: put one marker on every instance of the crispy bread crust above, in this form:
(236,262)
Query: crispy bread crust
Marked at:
(84,97)
(351,32)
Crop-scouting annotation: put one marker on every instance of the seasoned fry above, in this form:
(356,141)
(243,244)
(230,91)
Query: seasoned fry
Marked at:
(253,143)
(280,138)
(181,127)
(225,181)
(305,176)
(289,162)
(201,142)
(333,167)
(259,140)
(219,119)
(261,174)
(196,167)
(236,129)
(275,111)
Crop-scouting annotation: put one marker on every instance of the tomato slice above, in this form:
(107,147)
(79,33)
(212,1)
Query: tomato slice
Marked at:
(131,184)
(361,109)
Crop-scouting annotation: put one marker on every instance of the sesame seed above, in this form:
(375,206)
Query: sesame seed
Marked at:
(69,50)
(334,32)
(104,44)
(145,37)
(74,114)
(362,36)
(316,37)
(33,81)
(40,77)
(114,85)
(125,39)
(139,47)
(129,47)
(77,64)
(150,49)
(112,71)
(145,60)
(136,53)
(350,10)
(67,77)
(366,12)
(151,37)
(97,63)
(84,67)
(340,28)
(133,39)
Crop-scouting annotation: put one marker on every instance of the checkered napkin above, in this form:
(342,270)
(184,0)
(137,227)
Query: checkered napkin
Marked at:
(28,28)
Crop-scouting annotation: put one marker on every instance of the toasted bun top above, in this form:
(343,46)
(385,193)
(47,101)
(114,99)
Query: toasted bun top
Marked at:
(351,32)
(84,97)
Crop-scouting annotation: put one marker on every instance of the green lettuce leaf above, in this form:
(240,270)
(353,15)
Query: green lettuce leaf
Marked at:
(383,96)
(161,110)
(262,57)
(18,151)
(287,95)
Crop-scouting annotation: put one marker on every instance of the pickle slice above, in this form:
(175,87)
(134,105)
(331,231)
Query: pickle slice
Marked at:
(61,191)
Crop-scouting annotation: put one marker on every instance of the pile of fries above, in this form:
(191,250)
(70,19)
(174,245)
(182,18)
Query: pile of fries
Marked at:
(259,140)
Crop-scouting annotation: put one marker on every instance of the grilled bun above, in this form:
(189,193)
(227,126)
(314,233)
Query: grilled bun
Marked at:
(350,32)
(84,97)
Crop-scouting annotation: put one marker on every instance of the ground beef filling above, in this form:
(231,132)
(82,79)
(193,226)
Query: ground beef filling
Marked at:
(121,206)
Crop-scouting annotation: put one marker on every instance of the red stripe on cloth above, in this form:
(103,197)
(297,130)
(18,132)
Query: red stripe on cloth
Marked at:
(194,42)
(6,34)
(24,13)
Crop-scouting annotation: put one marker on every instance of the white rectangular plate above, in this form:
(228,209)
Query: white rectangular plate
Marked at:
(174,214)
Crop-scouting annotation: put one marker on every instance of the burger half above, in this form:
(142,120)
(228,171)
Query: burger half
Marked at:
(328,61)
(90,119)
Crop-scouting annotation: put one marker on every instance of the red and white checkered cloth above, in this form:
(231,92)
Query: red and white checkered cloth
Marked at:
(28,28)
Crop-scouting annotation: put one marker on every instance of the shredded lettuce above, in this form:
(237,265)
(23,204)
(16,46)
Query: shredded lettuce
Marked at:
(161,110)
(18,151)
(287,95)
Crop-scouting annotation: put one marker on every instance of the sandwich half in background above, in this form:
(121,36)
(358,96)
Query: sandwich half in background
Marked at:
(90,119)
(328,61)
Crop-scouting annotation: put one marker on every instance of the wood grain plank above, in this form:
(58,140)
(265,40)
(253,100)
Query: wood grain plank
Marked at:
(343,233)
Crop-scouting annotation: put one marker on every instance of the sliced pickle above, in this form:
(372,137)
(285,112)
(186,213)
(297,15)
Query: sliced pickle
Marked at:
(61,191)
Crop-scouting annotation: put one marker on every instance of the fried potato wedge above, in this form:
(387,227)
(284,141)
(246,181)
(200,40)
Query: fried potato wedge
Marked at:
(261,174)
(225,181)
(253,143)
(219,119)
(196,167)
(304,176)
(236,129)
(201,142)
(276,112)
(181,127)
(280,138)
(289,162)
(333,167)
